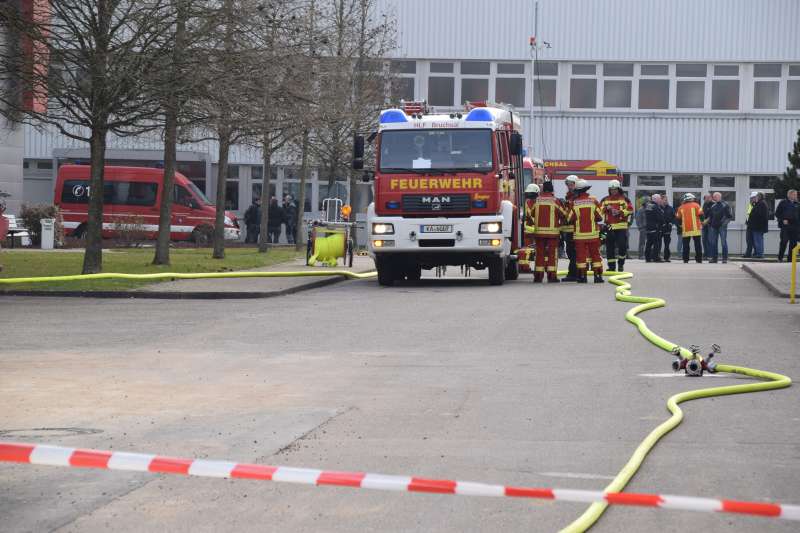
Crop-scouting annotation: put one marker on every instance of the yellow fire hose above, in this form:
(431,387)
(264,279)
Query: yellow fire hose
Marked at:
(194,275)
(773,381)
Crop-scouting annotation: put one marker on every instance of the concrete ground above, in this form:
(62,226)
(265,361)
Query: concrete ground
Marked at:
(777,277)
(519,384)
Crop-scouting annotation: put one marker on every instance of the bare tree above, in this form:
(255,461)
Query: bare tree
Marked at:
(99,52)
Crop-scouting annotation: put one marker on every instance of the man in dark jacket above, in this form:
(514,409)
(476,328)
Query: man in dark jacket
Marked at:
(719,216)
(668,212)
(274,221)
(290,212)
(788,215)
(757,224)
(708,201)
(252,221)
(654,217)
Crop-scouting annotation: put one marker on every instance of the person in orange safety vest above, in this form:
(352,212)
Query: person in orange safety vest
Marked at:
(585,216)
(548,214)
(690,215)
(616,209)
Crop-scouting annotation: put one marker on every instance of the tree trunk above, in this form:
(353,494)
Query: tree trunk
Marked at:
(263,237)
(93,256)
(222,178)
(165,209)
(301,208)
(170,143)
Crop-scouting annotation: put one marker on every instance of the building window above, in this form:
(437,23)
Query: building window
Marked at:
(293,188)
(480,68)
(25,164)
(475,89)
(654,92)
(510,68)
(442,68)
(440,91)
(583,93)
(257,172)
(44,165)
(545,83)
(730,198)
(232,195)
(617,92)
(403,67)
(723,181)
(650,181)
(586,69)
(403,84)
(763,182)
(511,91)
(690,93)
(256,189)
(725,92)
(688,181)
(793,89)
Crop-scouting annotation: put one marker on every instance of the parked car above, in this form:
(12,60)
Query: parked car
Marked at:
(134,194)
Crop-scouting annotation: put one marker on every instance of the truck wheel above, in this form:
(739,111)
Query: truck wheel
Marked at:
(386,272)
(201,236)
(496,271)
(512,270)
(413,273)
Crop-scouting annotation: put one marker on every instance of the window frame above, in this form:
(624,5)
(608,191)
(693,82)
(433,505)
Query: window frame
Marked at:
(670,79)
(572,76)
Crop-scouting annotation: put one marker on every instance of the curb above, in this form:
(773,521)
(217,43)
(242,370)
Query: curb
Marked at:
(178,295)
(764,281)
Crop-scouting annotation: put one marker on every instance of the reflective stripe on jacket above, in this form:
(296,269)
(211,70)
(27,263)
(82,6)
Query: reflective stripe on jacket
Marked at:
(548,215)
(566,204)
(585,215)
(616,210)
(689,216)
(530,221)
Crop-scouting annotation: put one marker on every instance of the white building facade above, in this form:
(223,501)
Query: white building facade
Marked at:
(682,95)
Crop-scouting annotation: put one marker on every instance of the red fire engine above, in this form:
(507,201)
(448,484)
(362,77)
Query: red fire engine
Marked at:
(446,191)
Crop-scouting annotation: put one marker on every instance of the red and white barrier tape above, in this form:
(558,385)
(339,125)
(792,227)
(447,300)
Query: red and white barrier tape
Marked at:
(42,454)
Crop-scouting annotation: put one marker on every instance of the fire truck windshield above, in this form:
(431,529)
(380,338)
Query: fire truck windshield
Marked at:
(448,150)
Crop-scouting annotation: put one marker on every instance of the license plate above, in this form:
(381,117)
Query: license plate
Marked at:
(436,228)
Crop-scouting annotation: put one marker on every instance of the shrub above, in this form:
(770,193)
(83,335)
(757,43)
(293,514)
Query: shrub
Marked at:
(32,215)
(129,230)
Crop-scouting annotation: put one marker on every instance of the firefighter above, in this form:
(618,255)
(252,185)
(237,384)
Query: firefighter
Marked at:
(524,255)
(568,229)
(616,208)
(585,216)
(690,216)
(548,217)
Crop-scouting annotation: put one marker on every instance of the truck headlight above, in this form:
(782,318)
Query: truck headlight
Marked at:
(490,227)
(228,221)
(382,229)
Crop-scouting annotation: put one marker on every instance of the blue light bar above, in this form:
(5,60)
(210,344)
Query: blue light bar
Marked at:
(392,205)
(392,116)
(479,204)
(479,114)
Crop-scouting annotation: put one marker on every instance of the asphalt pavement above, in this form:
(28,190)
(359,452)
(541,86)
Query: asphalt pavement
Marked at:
(538,385)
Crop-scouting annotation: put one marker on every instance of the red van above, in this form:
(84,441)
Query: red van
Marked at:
(134,194)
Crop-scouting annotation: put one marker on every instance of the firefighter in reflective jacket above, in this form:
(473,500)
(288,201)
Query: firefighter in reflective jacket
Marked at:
(616,209)
(567,230)
(585,216)
(524,255)
(548,215)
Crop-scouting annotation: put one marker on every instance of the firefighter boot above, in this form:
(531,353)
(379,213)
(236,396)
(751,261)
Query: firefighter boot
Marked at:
(538,276)
(620,265)
(552,278)
(581,277)
(598,277)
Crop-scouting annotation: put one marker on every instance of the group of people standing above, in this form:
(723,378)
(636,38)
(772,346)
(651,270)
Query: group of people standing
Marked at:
(278,215)
(577,219)
(707,227)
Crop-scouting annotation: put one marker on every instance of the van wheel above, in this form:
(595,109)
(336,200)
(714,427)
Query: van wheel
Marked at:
(496,271)
(201,236)
(512,270)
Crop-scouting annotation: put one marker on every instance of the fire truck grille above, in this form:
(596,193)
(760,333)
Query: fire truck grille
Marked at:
(435,202)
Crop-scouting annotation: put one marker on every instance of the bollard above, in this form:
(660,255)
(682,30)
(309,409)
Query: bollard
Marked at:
(48,233)
(793,286)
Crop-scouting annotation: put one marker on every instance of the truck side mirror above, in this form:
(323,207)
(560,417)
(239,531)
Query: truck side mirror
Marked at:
(358,152)
(515,144)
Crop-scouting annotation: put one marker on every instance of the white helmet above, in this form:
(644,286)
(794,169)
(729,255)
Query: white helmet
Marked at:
(688,197)
(581,184)
(572,178)
(614,184)
(532,189)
